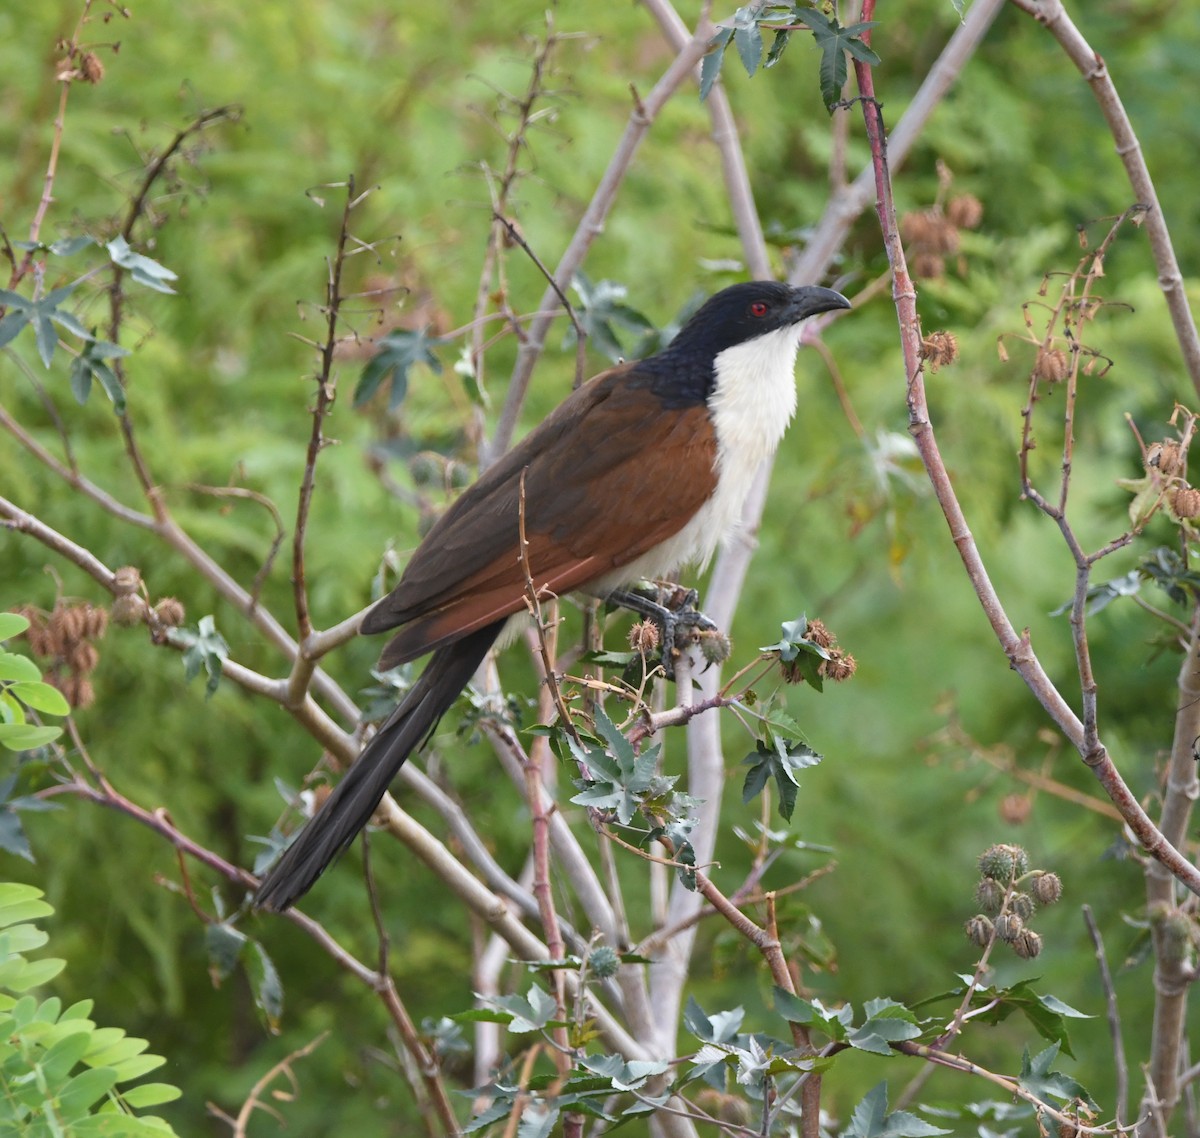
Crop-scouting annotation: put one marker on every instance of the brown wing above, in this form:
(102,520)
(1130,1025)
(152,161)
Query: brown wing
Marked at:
(604,483)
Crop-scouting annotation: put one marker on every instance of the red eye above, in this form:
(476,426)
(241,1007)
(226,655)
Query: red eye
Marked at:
(758,308)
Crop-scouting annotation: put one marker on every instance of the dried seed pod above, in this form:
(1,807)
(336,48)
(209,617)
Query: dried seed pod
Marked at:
(82,657)
(964,211)
(1046,887)
(840,666)
(939,349)
(644,637)
(817,633)
(1027,945)
(978,930)
(1185,501)
(96,622)
(170,612)
(1166,455)
(127,580)
(1051,364)
(90,67)
(129,609)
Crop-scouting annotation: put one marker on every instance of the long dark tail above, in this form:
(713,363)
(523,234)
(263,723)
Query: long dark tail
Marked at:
(349,808)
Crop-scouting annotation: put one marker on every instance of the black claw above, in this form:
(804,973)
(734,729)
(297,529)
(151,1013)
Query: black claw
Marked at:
(674,611)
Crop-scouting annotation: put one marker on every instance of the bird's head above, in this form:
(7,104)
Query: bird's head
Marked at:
(757,321)
(747,311)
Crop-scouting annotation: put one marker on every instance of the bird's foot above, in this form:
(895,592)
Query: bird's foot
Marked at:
(673,609)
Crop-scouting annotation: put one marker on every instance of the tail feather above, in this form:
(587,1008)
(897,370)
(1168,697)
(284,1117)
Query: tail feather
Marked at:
(349,808)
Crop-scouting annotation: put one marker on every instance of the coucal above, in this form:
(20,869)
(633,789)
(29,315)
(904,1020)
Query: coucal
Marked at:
(644,469)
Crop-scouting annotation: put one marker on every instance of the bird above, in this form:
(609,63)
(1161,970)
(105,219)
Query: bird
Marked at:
(642,470)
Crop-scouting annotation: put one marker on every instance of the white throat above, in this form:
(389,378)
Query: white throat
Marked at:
(753,400)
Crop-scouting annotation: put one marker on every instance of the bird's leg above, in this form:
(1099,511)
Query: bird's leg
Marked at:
(672,608)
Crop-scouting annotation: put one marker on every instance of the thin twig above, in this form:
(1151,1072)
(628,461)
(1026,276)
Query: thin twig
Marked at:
(1120,1067)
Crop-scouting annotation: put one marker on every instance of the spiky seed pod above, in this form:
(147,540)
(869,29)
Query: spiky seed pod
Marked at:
(65,627)
(1027,945)
(1051,365)
(964,211)
(1003,863)
(840,666)
(989,896)
(77,690)
(604,961)
(979,930)
(1009,926)
(96,623)
(644,637)
(1165,455)
(170,612)
(715,646)
(816,633)
(1022,904)
(1185,501)
(129,609)
(939,349)
(82,657)
(126,580)
(791,671)
(1046,887)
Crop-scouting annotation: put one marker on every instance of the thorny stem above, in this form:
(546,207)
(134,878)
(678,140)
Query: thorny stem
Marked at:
(326,394)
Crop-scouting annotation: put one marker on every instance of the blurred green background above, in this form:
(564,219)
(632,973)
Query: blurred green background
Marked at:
(415,100)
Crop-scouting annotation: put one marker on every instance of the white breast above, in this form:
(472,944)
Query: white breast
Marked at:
(753,401)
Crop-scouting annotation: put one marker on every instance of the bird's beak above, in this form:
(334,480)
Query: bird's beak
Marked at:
(810,299)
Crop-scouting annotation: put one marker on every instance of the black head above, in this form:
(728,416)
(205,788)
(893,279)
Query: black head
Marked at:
(745,311)
(733,316)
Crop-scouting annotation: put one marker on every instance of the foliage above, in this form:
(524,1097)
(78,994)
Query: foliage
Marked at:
(165,269)
(59,1072)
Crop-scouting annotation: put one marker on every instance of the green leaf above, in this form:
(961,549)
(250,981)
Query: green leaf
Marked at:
(21,668)
(20,903)
(813,1014)
(91,364)
(150,1094)
(398,352)
(835,41)
(268,989)
(871,1119)
(780,759)
(601,312)
(224,944)
(205,649)
(41,697)
(887,1022)
(12,624)
(747,38)
(710,65)
(84,1090)
(143,270)
(1039,1079)
(26,736)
